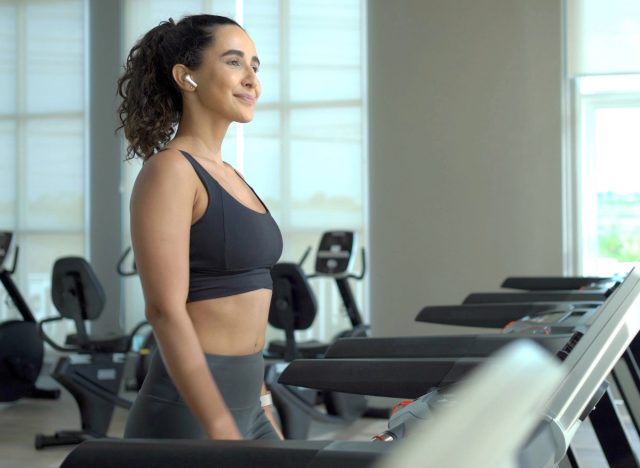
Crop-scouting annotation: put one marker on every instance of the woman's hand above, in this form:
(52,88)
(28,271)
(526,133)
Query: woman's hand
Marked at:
(269,415)
(225,428)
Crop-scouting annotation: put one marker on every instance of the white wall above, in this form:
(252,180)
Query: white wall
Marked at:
(465,151)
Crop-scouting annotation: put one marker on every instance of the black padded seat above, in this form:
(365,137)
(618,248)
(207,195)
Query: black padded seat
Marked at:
(78,295)
(293,307)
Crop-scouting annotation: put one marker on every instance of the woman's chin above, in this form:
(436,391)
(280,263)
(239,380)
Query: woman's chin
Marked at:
(244,118)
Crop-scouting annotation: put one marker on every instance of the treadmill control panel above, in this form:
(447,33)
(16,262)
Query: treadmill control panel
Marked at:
(553,322)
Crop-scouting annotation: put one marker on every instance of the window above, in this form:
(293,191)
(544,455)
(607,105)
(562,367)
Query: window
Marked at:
(609,149)
(603,39)
(304,152)
(42,128)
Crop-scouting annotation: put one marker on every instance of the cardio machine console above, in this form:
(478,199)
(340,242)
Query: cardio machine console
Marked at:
(335,253)
(554,322)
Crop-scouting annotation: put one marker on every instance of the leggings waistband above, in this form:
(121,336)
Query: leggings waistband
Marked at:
(227,359)
(238,378)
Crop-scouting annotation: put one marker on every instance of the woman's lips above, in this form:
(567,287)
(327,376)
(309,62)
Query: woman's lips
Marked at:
(246,98)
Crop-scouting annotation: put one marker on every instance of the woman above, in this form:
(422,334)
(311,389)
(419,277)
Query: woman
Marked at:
(203,240)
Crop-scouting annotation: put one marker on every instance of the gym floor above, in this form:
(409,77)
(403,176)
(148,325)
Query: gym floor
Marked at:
(20,421)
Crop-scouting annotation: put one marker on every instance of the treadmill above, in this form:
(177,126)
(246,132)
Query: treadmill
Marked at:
(560,283)
(408,367)
(593,356)
(625,374)
(526,375)
(549,289)
(520,377)
(360,361)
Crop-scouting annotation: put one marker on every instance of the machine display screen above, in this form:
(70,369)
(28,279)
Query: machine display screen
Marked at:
(554,317)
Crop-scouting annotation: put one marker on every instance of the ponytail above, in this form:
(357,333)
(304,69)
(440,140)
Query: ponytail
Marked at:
(151,103)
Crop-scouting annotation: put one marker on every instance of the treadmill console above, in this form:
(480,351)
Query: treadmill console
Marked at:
(553,322)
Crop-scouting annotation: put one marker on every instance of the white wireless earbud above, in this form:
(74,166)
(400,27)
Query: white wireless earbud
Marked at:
(189,80)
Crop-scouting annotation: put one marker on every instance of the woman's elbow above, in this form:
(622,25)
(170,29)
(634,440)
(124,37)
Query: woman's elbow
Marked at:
(159,313)
(152,314)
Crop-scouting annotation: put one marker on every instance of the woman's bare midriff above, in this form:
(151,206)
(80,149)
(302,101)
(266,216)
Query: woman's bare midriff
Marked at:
(232,325)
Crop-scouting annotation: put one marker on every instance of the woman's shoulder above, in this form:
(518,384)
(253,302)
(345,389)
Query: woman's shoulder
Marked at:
(169,160)
(171,157)
(167,165)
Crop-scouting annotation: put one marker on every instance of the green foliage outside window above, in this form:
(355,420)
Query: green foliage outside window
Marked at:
(619,226)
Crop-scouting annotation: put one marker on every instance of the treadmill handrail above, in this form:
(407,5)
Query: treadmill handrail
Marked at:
(593,358)
(553,283)
(492,315)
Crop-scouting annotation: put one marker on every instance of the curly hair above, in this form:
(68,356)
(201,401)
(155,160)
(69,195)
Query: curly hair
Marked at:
(151,100)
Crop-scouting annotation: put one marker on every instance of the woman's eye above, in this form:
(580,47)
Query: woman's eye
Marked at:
(255,69)
(234,62)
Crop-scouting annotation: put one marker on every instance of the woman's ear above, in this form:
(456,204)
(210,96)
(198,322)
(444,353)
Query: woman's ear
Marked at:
(183,78)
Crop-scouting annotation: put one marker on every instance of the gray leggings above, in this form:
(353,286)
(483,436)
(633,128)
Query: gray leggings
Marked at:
(160,413)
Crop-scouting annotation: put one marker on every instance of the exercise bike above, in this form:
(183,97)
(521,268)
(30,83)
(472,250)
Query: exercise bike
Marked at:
(92,372)
(21,348)
(294,307)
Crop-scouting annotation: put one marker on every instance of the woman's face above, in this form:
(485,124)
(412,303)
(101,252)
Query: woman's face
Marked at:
(227,82)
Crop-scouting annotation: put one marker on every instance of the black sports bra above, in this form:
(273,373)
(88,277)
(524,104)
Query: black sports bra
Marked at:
(232,247)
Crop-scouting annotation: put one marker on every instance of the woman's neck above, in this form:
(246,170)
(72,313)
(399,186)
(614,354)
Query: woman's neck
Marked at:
(202,137)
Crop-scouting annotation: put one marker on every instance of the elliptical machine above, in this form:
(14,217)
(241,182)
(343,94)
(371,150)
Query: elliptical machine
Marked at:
(21,348)
(293,307)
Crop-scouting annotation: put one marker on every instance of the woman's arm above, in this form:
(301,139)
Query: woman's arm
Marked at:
(161,214)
